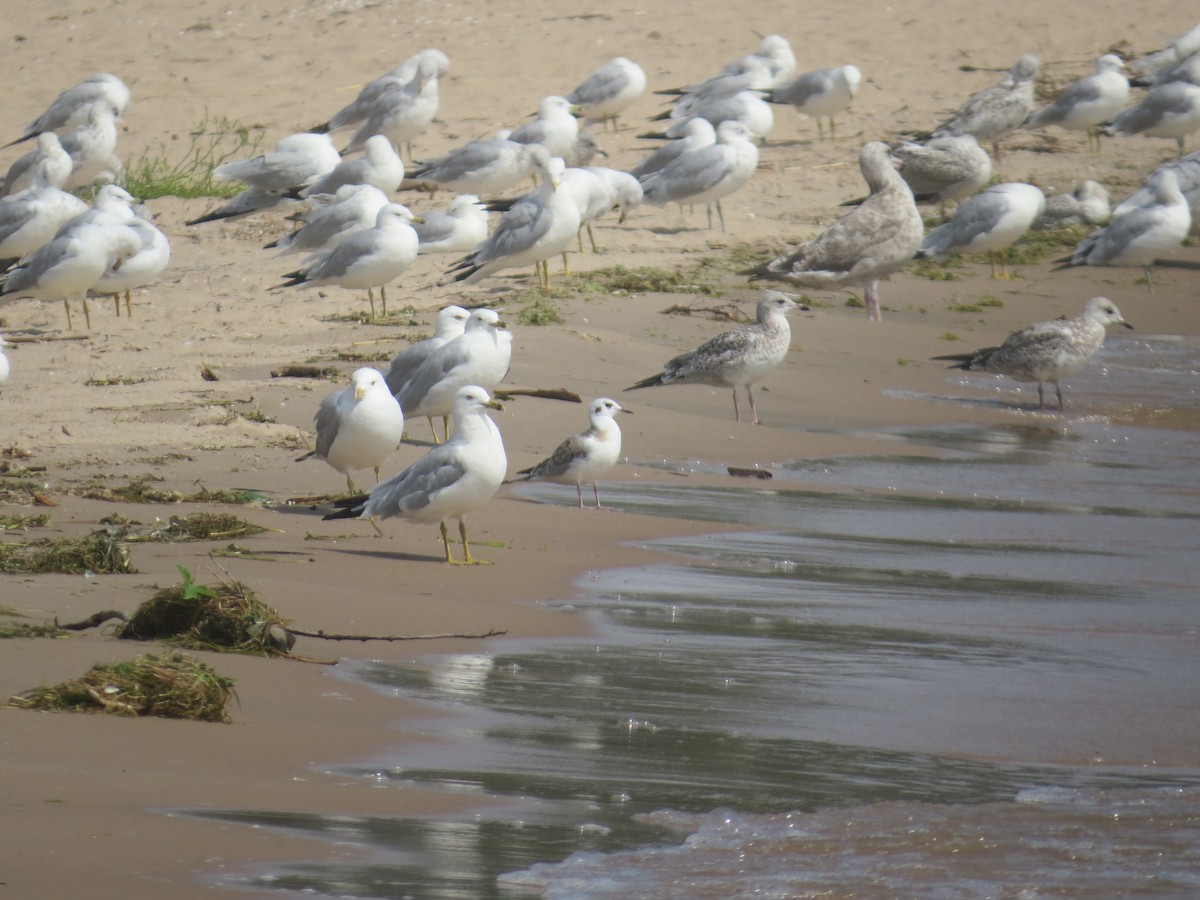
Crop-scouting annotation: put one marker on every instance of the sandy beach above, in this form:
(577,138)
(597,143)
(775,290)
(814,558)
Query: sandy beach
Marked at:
(86,799)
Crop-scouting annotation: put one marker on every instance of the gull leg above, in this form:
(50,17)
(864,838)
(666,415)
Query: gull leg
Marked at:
(708,209)
(117,303)
(350,484)
(371,300)
(467,559)
(736,412)
(87,313)
(566,265)
(579,493)
(721,214)
(1041,399)
(750,394)
(832,129)
(446,543)
(871,298)
(375,525)
(992,260)
(1149,270)
(592,238)
(596,491)
(820,129)
(377,474)
(579,237)
(67,307)
(383,299)
(1058,390)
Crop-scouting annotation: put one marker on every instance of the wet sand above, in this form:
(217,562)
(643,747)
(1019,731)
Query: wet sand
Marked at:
(86,796)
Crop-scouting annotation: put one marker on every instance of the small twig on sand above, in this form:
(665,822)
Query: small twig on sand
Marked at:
(394,637)
(543,393)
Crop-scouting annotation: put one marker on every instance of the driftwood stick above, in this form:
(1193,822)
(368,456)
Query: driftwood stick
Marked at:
(543,393)
(395,637)
(93,620)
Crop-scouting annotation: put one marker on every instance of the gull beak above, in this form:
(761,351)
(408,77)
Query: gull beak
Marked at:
(419,220)
(360,392)
(495,404)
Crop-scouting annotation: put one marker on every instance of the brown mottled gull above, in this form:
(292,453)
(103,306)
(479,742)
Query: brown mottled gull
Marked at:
(997,111)
(870,243)
(1047,351)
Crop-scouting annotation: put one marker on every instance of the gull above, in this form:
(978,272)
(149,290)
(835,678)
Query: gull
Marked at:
(1089,102)
(538,226)
(706,174)
(609,91)
(822,92)
(1088,204)
(461,227)
(943,169)
(364,103)
(873,241)
(371,258)
(358,427)
(353,208)
(1047,351)
(402,110)
(449,324)
(1137,237)
(1170,110)
(1162,61)
(555,127)
(31,218)
(583,458)
(112,205)
(450,481)
(91,147)
(1187,173)
(139,269)
(379,166)
(297,161)
(484,167)
(997,111)
(73,105)
(606,189)
(746,107)
(989,223)
(697,133)
(756,77)
(739,358)
(480,355)
(773,50)
(70,265)
(48,164)
(585,149)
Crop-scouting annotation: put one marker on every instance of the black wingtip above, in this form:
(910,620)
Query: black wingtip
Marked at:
(323,128)
(348,507)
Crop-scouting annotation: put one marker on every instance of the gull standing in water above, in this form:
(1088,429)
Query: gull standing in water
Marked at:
(1137,237)
(583,458)
(358,427)
(822,92)
(997,111)
(608,91)
(371,258)
(989,223)
(450,481)
(871,242)
(706,174)
(739,358)
(1089,102)
(1047,351)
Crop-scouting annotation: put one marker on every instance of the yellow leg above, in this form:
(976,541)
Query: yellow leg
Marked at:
(87,314)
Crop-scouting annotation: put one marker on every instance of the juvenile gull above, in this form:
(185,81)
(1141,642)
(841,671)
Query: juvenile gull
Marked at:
(450,481)
(943,169)
(73,105)
(609,91)
(371,258)
(480,356)
(1088,204)
(460,227)
(358,427)
(821,92)
(297,161)
(997,111)
(1089,102)
(867,244)
(92,148)
(1170,110)
(989,223)
(739,358)
(706,174)
(379,166)
(1047,351)
(1138,237)
(537,227)
(583,458)
(449,324)
(353,208)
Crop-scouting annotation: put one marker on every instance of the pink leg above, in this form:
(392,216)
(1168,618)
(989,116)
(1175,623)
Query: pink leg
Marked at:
(874,313)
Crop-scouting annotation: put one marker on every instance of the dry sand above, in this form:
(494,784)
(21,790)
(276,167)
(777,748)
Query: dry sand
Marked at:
(84,795)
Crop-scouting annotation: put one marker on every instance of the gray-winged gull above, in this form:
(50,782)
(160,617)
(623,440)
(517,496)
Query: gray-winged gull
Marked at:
(821,92)
(988,223)
(609,91)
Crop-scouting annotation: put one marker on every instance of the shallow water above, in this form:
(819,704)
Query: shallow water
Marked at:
(863,698)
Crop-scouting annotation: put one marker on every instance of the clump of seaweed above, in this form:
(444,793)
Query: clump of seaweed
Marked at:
(100,552)
(173,686)
(224,616)
(32,630)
